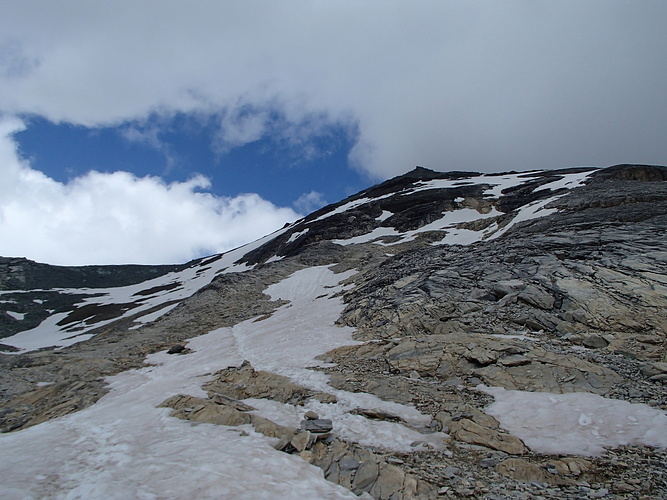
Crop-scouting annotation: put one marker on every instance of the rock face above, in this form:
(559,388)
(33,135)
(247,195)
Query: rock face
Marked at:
(551,282)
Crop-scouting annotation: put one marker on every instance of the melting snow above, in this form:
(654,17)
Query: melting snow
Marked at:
(578,423)
(124,447)
(569,181)
(449,220)
(527,212)
(384,215)
(295,236)
(350,205)
(378,232)
(498,183)
(16,315)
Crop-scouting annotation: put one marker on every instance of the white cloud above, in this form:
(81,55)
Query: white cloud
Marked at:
(104,218)
(450,85)
(309,202)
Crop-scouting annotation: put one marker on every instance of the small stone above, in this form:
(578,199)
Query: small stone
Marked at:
(414,374)
(283,442)
(488,463)
(601,493)
(311,415)
(379,415)
(176,349)
(421,445)
(622,487)
(514,360)
(594,342)
(449,472)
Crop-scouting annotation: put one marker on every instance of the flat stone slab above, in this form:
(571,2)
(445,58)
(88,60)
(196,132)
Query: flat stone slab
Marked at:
(317,426)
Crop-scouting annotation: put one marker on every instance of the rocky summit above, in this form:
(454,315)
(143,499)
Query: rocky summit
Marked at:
(439,335)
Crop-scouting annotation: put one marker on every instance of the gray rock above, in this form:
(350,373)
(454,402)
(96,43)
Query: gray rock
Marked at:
(537,297)
(514,360)
(348,463)
(366,475)
(176,349)
(595,342)
(450,472)
(317,426)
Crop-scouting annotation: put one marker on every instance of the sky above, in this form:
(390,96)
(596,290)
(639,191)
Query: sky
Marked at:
(161,131)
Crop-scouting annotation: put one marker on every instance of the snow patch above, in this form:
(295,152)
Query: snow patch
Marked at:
(577,423)
(384,216)
(569,181)
(497,183)
(378,232)
(530,211)
(295,236)
(350,205)
(16,315)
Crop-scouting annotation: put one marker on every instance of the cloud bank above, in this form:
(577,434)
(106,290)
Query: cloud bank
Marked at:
(477,85)
(118,218)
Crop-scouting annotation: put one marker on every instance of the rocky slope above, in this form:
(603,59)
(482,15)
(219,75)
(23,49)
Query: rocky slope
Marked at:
(462,291)
(29,289)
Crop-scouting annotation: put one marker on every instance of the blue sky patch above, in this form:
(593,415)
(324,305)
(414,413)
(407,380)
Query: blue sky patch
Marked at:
(273,166)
